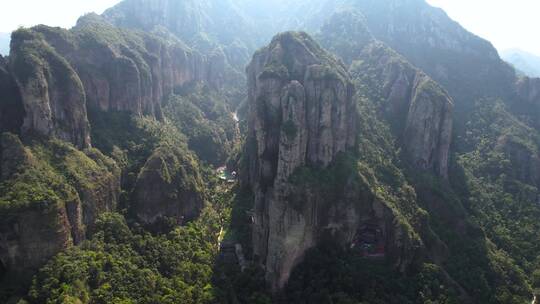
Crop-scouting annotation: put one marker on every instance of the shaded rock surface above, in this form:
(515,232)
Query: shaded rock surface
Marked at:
(51,91)
(51,194)
(60,73)
(417,107)
(419,110)
(11,107)
(203,24)
(168,187)
(301,112)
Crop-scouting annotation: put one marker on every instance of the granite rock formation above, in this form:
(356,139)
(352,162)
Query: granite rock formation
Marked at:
(417,107)
(11,108)
(301,113)
(51,91)
(419,110)
(50,201)
(168,187)
(60,73)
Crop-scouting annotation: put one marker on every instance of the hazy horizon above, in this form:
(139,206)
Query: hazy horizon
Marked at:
(515,33)
(506,24)
(61,13)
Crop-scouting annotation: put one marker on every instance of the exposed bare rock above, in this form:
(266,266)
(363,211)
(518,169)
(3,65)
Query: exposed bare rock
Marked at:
(419,110)
(11,107)
(59,73)
(528,89)
(31,232)
(49,201)
(168,186)
(301,113)
(202,24)
(51,91)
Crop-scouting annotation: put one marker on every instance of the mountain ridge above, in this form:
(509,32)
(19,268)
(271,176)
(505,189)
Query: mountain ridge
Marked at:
(523,61)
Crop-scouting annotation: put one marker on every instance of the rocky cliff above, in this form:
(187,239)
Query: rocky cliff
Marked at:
(60,73)
(168,187)
(11,107)
(301,112)
(205,25)
(51,194)
(51,91)
(419,110)
(302,129)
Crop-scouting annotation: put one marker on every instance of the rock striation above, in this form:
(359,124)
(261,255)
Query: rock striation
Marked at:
(301,113)
(51,91)
(61,73)
(205,25)
(419,110)
(11,108)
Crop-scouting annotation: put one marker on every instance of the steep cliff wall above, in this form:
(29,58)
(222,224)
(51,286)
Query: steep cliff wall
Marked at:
(51,91)
(302,129)
(168,187)
(50,197)
(301,112)
(202,24)
(417,108)
(11,107)
(60,73)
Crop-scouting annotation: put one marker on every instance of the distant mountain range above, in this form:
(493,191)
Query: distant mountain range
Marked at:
(4,43)
(527,63)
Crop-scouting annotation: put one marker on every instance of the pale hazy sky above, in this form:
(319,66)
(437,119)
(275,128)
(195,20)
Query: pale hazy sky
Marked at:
(63,13)
(506,23)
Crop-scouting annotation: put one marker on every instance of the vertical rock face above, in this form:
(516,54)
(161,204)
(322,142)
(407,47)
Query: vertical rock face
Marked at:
(48,202)
(169,186)
(301,112)
(11,107)
(528,90)
(419,110)
(31,233)
(51,91)
(124,71)
(433,42)
(59,73)
(203,24)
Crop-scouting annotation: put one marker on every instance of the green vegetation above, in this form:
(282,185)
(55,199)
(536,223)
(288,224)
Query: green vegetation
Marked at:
(334,275)
(535,281)
(49,171)
(123,265)
(499,160)
(204,117)
(40,183)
